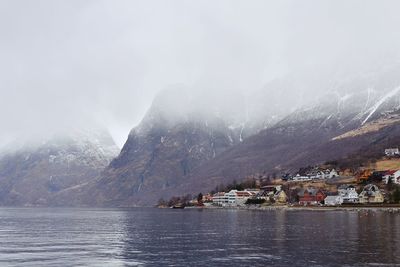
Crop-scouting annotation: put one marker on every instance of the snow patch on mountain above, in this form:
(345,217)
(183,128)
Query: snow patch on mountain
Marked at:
(94,148)
(385,98)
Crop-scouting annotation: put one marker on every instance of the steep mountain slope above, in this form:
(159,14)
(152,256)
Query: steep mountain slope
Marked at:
(32,173)
(162,151)
(181,147)
(181,131)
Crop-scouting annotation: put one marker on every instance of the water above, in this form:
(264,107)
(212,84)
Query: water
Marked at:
(165,237)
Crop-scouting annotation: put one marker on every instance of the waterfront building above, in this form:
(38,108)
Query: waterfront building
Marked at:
(333,200)
(371,194)
(310,196)
(220,199)
(233,198)
(280,197)
(348,193)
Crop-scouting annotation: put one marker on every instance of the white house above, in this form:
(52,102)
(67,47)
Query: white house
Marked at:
(232,198)
(331,173)
(394,176)
(220,199)
(238,198)
(298,177)
(390,152)
(333,200)
(316,174)
(348,193)
(321,174)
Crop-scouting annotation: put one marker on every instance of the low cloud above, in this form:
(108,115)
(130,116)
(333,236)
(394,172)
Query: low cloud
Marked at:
(69,63)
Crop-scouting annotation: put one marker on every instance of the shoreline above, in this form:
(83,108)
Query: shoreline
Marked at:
(391,209)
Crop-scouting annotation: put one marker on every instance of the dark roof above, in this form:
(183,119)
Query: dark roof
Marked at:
(370,190)
(311,191)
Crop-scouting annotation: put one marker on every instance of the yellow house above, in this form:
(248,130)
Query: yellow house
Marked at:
(371,194)
(280,197)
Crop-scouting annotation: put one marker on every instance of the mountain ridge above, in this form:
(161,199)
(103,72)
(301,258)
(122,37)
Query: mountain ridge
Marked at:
(32,175)
(179,147)
(301,138)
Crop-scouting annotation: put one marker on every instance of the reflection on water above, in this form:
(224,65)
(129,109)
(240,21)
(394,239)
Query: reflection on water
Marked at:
(154,237)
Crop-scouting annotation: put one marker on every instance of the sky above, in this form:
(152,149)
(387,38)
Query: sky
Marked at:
(74,63)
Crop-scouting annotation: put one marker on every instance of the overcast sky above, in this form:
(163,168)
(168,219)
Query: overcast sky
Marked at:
(68,63)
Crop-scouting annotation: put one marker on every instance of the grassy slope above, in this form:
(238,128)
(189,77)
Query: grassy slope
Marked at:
(386,164)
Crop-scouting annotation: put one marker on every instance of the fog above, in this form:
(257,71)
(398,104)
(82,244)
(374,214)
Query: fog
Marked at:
(68,64)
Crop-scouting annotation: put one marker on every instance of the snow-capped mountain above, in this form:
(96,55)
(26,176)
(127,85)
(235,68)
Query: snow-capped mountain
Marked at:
(333,127)
(32,172)
(187,144)
(191,142)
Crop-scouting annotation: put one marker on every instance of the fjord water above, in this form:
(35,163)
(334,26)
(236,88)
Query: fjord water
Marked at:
(191,237)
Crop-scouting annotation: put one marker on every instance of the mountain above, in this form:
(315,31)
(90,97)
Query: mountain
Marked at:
(173,139)
(33,171)
(334,128)
(181,147)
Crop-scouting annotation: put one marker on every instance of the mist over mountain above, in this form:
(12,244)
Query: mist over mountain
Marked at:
(193,95)
(66,63)
(180,146)
(32,172)
(176,135)
(191,140)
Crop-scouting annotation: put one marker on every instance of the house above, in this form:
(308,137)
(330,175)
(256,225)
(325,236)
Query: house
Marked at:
(232,198)
(391,152)
(268,189)
(348,193)
(299,177)
(238,198)
(310,196)
(333,200)
(321,174)
(316,174)
(220,199)
(331,173)
(274,192)
(371,194)
(280,197)
(392,175)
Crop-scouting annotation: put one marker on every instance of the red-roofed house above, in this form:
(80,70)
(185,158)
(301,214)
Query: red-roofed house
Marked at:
(392,175)
(310,196)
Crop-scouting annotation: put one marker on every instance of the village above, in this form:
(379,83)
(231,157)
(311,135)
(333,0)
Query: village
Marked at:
(316,186)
